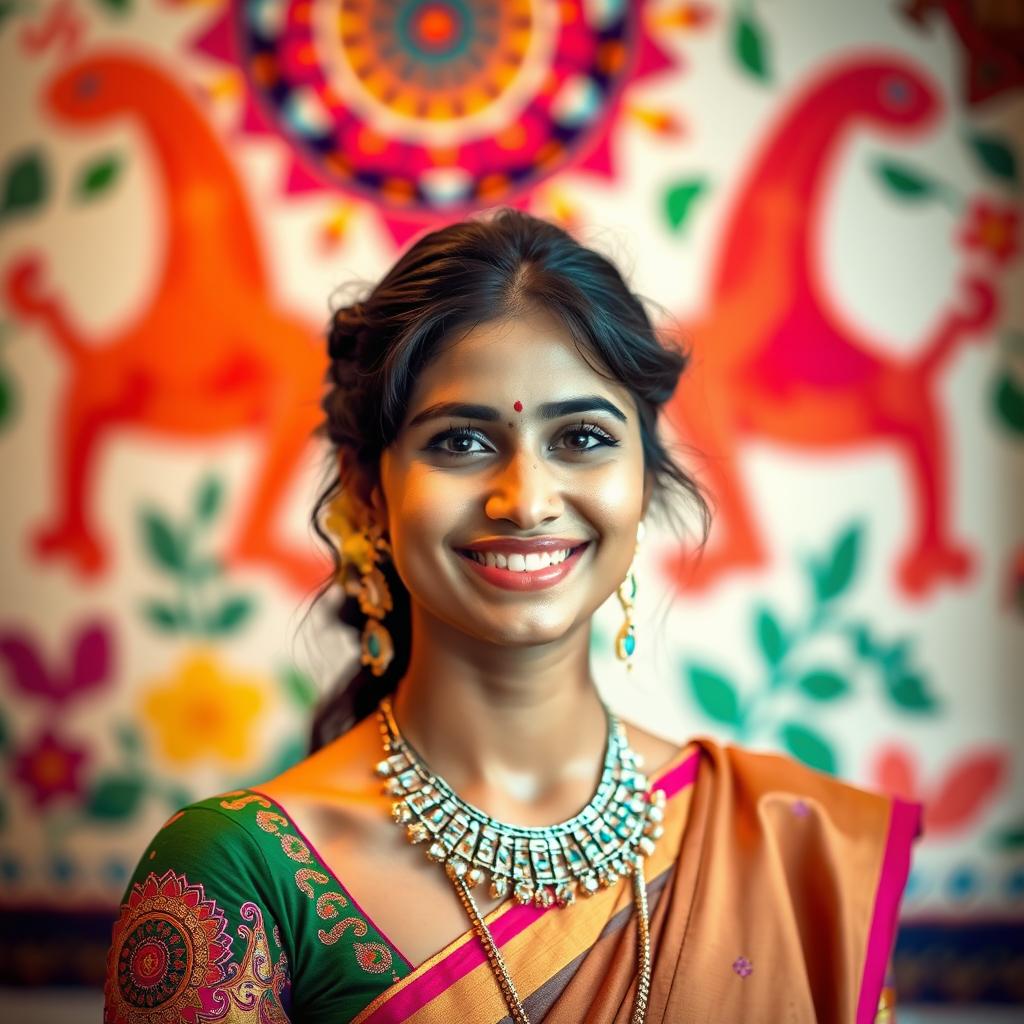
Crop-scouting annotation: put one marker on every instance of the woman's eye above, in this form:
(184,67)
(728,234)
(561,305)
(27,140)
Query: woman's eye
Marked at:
(458,442)
(586,437)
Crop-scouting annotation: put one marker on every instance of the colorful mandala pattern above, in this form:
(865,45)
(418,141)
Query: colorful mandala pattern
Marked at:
(436,104)
(173,960)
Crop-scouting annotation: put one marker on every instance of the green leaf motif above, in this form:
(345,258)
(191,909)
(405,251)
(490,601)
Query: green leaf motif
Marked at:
(832,579)
(807,746)
(750,46)
(1008,401)
(904,181)
(25,184)
(996,155)
(163,543)
(289,754)
(770,637)
(98,177)
(9,8)
(823,684)
(862,640)
(128,739)
(907,690)
(8,403)
(299,687)
(230,615)
(204,569)
(1011,837)
(115,797)
(177,796)
(680,199)
(167,618)
(715,695)
(208,499)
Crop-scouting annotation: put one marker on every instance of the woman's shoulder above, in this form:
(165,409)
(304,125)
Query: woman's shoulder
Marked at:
(758,783)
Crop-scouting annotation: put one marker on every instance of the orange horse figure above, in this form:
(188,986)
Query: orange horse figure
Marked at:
(775,357)
(211,353)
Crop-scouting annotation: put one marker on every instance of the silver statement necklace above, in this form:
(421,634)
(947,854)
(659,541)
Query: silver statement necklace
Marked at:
(608,839)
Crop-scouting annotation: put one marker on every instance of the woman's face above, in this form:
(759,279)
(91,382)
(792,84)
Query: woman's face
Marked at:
(511,439)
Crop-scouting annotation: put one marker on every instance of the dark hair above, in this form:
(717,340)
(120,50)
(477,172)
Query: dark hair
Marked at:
(481,270)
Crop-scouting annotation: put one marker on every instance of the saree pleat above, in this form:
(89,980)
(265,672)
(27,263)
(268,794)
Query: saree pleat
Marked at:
(774,894)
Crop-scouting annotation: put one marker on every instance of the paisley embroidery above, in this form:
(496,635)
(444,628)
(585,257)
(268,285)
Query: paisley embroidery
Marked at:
(303,877)
(358,926)
(325,904)
(372,956)
(270,821)
(172,953)
(237,805)
(255,984)
(295,849)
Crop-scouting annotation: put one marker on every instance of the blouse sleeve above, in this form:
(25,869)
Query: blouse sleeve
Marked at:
(199,935)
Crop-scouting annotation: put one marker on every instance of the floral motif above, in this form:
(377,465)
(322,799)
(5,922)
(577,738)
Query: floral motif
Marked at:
(202,709)
(992,229)
(800,808)
(49,768)
(743,967)
(952,803)
(89,665)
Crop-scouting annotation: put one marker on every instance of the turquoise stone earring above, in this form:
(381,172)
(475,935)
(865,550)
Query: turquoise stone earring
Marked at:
(625,642)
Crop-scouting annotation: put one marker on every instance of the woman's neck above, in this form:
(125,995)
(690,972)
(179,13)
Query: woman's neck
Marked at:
(509,724)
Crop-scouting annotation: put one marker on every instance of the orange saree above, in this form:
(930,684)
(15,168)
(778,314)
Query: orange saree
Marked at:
(774,895)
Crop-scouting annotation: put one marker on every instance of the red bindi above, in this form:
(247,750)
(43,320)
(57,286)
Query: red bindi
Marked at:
(517,405)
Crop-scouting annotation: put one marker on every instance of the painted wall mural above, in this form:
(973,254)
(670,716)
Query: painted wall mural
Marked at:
(823,199)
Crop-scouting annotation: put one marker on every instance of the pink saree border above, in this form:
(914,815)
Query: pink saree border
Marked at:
(334,877)
(904,828)
(506,926)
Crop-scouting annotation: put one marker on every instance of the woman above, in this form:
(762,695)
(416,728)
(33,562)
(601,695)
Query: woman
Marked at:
(493,408)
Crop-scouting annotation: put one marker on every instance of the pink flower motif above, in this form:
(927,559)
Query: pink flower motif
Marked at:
(801,808)
(89,665)
(992,229)
(49,768)
(742,966)
(953,803)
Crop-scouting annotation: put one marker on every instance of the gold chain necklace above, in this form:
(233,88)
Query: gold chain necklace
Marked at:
(608,839)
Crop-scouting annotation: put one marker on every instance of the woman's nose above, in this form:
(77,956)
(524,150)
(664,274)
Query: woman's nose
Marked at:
(526,492)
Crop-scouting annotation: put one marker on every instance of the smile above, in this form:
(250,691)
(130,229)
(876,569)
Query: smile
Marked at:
(515,571)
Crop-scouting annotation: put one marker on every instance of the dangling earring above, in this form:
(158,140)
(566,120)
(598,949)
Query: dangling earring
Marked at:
(625,642)
(362,548)
(374,596)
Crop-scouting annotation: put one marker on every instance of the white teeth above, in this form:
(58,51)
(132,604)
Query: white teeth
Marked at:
(520,563)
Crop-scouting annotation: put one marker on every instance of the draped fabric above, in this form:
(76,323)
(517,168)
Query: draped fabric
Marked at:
(774,895)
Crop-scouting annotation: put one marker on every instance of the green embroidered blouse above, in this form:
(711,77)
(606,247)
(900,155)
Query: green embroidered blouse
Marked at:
(232,916)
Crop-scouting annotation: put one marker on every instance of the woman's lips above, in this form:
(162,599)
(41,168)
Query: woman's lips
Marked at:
(536,579)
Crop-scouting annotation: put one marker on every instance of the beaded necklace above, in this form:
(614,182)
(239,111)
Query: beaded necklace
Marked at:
(547,866)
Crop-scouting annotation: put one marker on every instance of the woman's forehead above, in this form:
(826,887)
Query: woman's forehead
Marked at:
(534,354)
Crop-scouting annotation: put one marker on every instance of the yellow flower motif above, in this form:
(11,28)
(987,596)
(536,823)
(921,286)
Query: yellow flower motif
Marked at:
(204,710)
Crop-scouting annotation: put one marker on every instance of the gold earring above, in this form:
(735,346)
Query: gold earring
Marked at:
(362,547)
(625,642)
(374,596)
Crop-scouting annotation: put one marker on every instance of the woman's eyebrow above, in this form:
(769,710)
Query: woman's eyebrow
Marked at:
(548,410)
